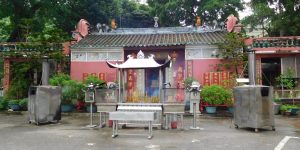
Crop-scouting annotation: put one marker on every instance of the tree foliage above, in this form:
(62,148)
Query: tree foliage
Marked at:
(282,16)
(32,20)
(171,13)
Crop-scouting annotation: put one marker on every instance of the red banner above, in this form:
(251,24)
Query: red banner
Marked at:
(6,79)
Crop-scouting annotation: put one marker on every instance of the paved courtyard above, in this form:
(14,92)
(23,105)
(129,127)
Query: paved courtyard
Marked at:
(217,133)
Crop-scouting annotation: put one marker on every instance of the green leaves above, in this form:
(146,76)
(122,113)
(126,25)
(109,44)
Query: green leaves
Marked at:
(6,28)
(287,80)
(71,89)
(231,50)
(215,94)
(278,18)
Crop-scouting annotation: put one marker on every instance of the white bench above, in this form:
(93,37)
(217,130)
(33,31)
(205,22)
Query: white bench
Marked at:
(131,116)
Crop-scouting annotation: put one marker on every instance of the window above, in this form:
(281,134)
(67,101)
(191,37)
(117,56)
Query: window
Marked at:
(97,56)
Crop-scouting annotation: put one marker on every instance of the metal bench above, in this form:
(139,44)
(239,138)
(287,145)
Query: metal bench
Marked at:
(131,116)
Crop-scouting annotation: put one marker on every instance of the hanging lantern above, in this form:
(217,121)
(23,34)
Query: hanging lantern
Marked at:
(174,56)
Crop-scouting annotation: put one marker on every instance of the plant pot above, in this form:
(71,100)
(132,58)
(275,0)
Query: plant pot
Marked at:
(276,108)
(88,108)
(230,109)
(294,111)
(67,107)
(14,107)
(211,109)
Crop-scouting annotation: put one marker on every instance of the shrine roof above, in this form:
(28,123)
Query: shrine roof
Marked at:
(139,37)
(139,63)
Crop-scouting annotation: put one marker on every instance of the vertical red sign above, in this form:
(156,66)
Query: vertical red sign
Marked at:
(6,75)
(189,68)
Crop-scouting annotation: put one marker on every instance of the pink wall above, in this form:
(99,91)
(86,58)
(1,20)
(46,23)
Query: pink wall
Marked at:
(79,70)
(201,66)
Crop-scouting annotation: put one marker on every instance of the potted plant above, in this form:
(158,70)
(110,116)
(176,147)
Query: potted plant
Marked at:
(276,105)
(214,95)
(70,90)
(14,105)
(288,109)
(229,103)
(70,93)
(287,81)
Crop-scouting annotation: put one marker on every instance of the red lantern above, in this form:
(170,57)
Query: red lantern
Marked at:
(174,56)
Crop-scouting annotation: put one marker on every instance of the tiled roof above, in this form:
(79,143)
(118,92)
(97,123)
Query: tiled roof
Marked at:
(133,39)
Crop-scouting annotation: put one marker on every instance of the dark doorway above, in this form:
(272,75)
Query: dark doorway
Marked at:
(270,70)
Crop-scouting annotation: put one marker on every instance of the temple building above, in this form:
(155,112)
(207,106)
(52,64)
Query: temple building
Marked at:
(192,52)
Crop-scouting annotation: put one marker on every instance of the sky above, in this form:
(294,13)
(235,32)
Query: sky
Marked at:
(246,12)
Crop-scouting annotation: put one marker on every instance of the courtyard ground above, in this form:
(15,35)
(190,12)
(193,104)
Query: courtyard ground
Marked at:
(217,133)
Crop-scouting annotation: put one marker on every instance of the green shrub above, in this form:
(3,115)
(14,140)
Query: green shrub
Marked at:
(287,80)
(72,91)
(3,104)
(59,79)
(95,80)
(23,103)
(215,94)
(13,102)
(287,107)
(188,81)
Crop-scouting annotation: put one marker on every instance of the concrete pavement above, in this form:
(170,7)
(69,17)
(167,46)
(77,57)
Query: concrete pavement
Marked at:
(218,134)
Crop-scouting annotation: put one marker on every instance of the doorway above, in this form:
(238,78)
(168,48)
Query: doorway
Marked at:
(271,68)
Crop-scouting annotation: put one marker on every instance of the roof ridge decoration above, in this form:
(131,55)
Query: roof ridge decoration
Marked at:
(140,55)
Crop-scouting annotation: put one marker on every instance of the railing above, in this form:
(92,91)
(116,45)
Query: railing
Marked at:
(276,42)
(287,94)
(30,47)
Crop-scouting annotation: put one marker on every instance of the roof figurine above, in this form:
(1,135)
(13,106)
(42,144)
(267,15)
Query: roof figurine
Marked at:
(81,30)
(231,22)
(113,24)
(198,21)
(155,21)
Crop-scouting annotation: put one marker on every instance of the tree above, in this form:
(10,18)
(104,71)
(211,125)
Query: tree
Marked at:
(283,16)
(134,15)
(262,15)
(171,13)
(5,29)
(231,50)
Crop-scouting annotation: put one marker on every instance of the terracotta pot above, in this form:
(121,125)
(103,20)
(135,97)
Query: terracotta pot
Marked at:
(110,123)
(174,124)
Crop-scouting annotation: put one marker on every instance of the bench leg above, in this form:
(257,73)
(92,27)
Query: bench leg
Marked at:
(150,130)
(182,122)
(167,122)
(115,129)
(101,125)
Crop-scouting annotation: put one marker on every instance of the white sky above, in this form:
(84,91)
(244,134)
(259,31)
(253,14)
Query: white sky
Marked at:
(246,12)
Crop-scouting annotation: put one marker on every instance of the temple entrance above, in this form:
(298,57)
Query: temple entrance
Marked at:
(270,70)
